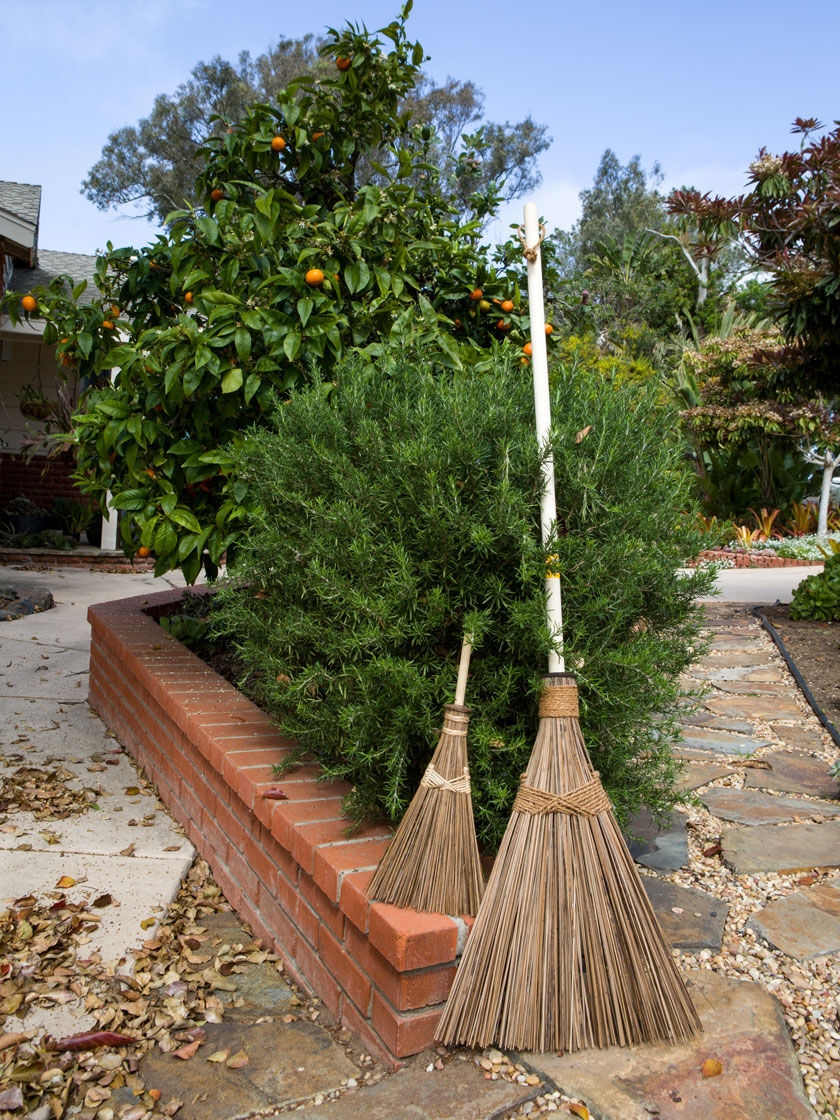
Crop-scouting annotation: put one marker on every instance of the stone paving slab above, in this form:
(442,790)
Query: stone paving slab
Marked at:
(287,1064)
(768,708)
(743,1028)
(698,774)
(785,848)
(795,772)
(661,848)
(718,723)
(691,919)
(720,742)
(799,737)
(804,925)
(749,807)
(456,1092)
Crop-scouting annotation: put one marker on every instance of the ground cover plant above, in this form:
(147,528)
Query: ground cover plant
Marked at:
(398,507)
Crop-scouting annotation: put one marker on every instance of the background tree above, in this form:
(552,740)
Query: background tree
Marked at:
(789,227)
(153,164)
(287,264)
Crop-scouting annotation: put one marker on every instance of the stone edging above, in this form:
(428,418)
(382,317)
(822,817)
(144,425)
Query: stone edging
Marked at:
(287,866)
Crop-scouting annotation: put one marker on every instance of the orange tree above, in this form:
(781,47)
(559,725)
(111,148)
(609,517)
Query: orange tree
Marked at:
(321,231)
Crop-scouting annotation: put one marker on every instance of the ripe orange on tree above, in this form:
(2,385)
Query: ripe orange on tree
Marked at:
(278,144)
(107,325)
(143,551)
(343,63)
(507,305)
(476,294)
(217,195)
(314,277)
(503,325)
(29,303)
(188,297)
(317,135)
(549,329)
(528,349)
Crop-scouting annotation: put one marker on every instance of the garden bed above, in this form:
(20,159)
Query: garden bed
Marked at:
(758,558)
(280,849)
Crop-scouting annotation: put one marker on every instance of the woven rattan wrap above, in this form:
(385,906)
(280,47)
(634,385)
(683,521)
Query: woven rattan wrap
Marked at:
(434,780)
(585,801)
(559,702)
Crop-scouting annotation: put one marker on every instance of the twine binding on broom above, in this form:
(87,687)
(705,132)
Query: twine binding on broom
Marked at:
(566,952)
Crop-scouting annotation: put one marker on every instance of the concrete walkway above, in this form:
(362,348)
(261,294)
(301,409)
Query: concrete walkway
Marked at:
(94,825)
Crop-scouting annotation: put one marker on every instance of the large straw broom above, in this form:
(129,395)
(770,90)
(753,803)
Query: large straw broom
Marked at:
(432,862)
(566,952)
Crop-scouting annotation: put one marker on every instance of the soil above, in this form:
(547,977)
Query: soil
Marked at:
(814,648)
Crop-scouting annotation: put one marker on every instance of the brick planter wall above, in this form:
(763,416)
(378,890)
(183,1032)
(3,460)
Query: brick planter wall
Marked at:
(287,866)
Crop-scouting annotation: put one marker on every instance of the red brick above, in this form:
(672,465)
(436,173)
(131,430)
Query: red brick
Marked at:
(257,852)
(346,971)
(327,911)
(404,1034)
(241,873)
(353,898)
(405,991)
(318,977)
(410,939)
(334,861)
(361,1026)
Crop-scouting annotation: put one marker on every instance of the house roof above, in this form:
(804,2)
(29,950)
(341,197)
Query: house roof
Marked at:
(20,210)
(78,266)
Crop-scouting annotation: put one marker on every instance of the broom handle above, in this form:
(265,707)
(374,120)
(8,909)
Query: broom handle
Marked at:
(542,408)
(463,670)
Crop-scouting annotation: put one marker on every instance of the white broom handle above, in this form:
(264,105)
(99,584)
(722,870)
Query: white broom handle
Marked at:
(542,407)
(463,670)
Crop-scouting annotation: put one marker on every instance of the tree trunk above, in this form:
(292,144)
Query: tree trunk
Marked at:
(829,464)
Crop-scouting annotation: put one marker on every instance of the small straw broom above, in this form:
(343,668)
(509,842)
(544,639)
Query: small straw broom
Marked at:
(432,862)
(566,952)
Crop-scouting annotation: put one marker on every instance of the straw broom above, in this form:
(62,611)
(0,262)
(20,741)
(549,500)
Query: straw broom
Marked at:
(566,952)
(432,862)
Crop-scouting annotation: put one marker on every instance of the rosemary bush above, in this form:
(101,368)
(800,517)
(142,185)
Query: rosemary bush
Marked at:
(399,506)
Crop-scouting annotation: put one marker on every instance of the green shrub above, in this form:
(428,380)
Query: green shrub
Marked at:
(397,507)
(818,596)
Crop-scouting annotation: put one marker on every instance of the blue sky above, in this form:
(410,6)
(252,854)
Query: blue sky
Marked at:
(697,87)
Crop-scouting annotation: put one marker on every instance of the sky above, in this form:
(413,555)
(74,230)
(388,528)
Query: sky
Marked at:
(697,87)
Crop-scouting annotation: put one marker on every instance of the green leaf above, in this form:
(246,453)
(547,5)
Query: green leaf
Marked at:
(304,309)
(242,342)
(291,345)
(85,343)
(185,519)
(232,380)
(210,228)
(166,539)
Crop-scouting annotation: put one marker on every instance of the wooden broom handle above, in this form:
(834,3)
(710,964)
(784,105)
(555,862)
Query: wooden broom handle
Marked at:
(463,671)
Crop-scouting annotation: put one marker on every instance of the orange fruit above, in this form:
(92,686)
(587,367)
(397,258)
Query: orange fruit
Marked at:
(188,297)
(317,135)
(476,294)
(485,304)
(528,349)
(549,329)
(115,311)
(343,63)
(217,195)
(503,325)
(314,277)
(107,325)
(278,144)
(29,303)
(143,551)
(507,305)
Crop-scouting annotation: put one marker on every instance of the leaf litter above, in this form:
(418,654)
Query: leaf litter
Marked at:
(165,1004)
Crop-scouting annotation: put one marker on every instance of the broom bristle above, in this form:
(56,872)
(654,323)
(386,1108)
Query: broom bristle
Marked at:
(566,952)
(432,862)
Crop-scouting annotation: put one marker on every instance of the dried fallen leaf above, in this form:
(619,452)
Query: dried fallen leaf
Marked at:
(11,1099)
(274,794)
(186,1052)
(102,900)
(580,1110)
(65,882)
(579,438)
(712,850)
(238,1060)
(13,1038)
(219,1056)
(711,1068)
(129,851)
(90,1040)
